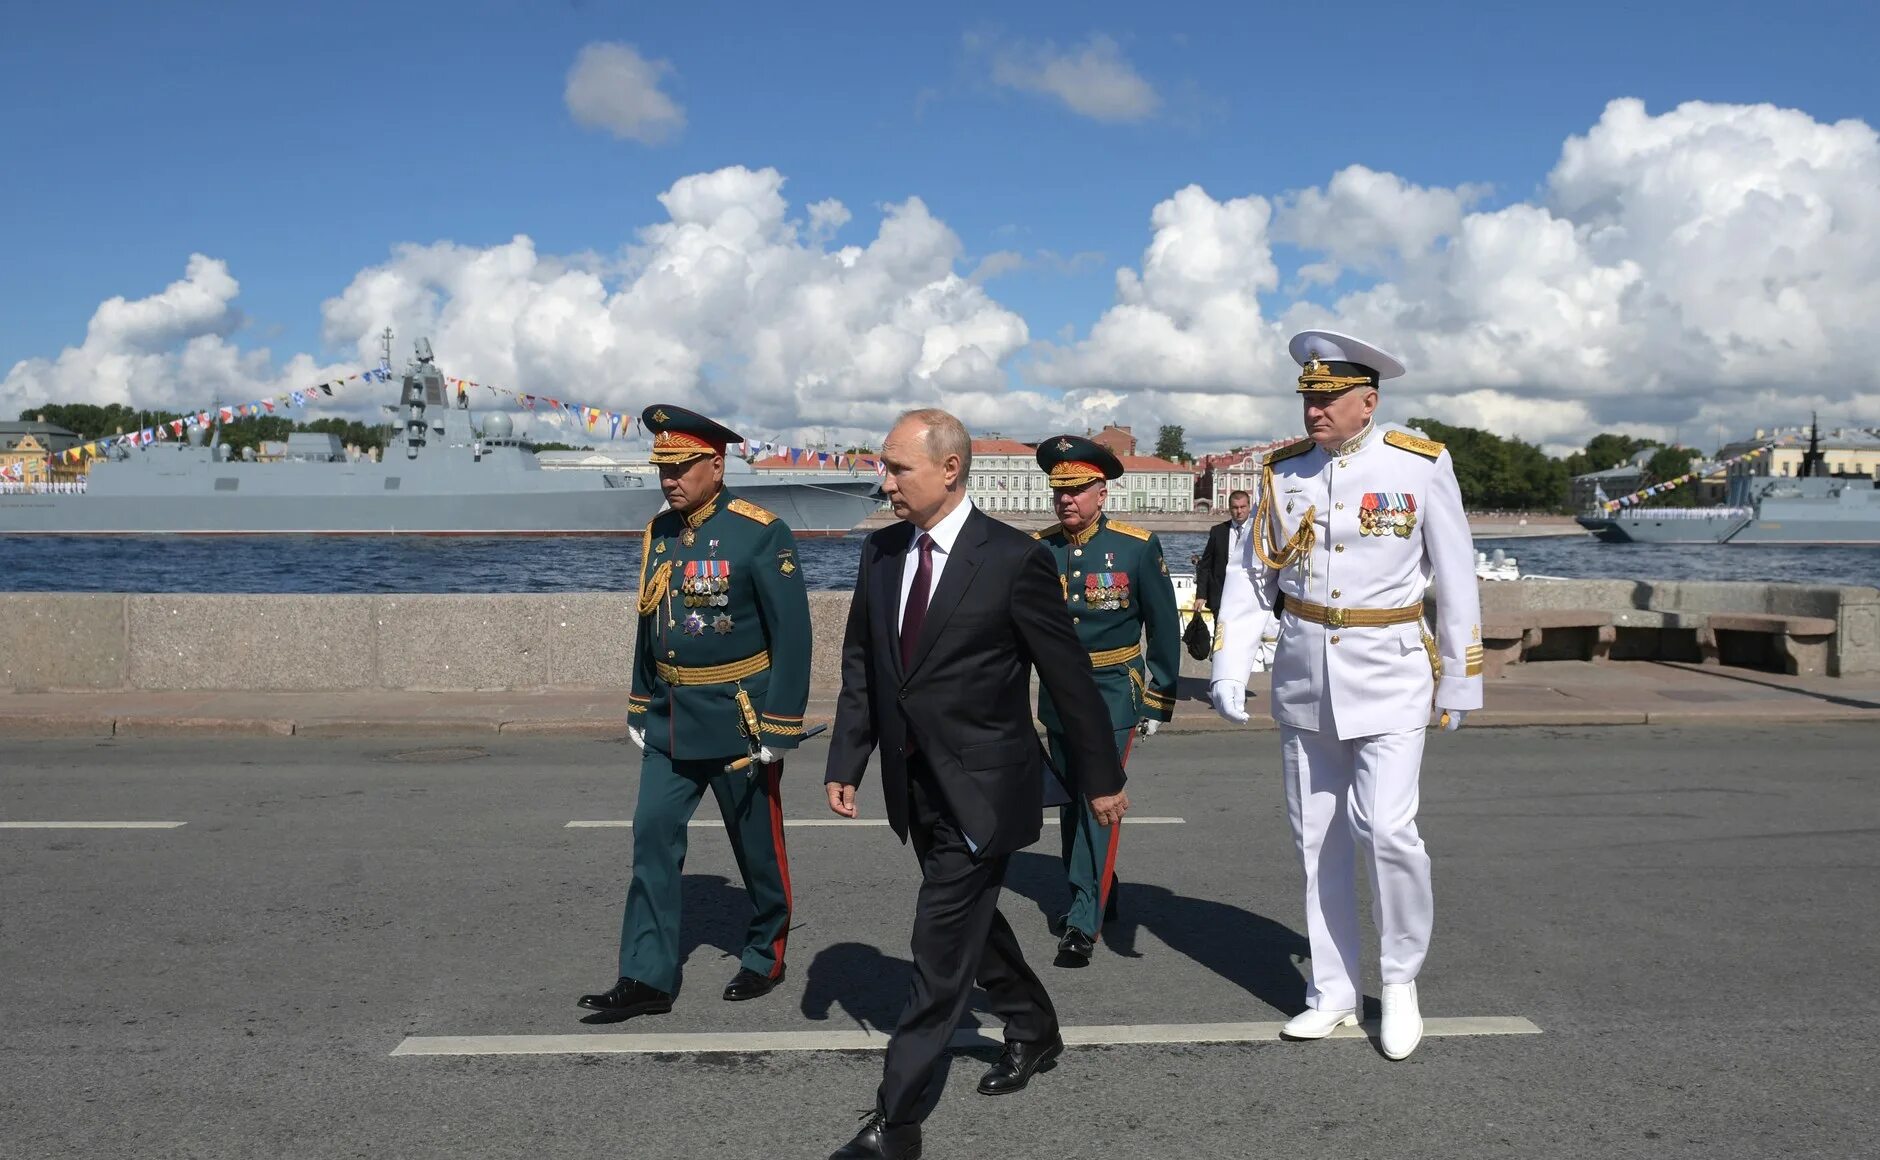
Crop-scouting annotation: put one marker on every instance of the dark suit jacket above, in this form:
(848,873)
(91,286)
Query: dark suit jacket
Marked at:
(997,612)
(1211,571)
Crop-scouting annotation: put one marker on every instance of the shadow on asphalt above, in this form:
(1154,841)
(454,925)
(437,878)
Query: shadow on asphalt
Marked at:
(1249,950)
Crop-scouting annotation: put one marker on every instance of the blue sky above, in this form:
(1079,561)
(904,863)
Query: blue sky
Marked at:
(300,143)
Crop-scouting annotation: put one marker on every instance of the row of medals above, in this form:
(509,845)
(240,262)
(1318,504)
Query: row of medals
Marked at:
(707,592)
(1383,523)
(1106,599)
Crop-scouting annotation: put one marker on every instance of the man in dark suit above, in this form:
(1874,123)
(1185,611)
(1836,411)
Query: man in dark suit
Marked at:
(1223,543)
(952,610)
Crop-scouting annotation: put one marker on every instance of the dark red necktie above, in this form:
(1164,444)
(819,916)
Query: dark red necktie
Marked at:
(915,614)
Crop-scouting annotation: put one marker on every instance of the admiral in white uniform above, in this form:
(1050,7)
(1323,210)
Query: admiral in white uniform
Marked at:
(1353,523)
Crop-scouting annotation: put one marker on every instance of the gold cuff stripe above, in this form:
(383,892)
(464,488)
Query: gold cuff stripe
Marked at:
(1472,668)
(635,708)
(714,674)
(1115,656)
(781,730)
(1159,700)
(1353,617)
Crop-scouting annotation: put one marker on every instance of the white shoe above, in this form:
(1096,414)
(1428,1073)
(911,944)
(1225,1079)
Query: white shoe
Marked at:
(1402,1027)
(1312,1024)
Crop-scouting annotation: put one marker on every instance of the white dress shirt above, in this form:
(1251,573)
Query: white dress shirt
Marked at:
(945,534)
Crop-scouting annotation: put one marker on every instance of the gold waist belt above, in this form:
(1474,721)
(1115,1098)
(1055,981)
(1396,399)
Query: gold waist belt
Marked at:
(1352,617)
(1115,656)
(714,674)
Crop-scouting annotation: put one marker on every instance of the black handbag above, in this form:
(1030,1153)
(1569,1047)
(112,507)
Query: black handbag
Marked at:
(1196,636)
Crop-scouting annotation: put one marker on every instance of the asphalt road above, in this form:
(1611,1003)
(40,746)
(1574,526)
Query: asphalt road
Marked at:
(1689,916)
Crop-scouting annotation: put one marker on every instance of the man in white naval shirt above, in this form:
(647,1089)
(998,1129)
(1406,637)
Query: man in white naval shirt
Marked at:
(1353,523)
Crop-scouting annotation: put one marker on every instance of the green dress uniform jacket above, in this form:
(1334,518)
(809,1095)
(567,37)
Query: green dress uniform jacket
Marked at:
(723,612)
(1117,587)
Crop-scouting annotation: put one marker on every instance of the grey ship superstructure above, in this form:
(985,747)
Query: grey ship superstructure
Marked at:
(439,475)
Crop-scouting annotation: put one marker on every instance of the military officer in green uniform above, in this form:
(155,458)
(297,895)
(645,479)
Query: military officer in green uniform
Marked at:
(720,672)
(1117,586)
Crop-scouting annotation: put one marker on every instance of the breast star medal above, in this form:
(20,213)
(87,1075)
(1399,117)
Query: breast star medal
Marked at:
(694,624)
(721,624)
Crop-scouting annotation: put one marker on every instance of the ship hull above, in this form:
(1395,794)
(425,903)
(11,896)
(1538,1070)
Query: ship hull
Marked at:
(1810,534)
(1653,531)
(810,511)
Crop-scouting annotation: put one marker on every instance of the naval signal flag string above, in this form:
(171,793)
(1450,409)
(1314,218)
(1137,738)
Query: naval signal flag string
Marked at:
(210,416)
(1657,489)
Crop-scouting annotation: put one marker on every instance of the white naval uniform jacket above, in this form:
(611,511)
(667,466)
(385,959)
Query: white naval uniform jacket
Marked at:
(1371,680)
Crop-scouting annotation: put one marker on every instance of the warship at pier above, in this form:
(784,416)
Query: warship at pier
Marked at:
(1809,509)
(442,472)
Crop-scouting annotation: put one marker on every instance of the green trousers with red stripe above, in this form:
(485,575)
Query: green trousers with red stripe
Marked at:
(753,812)
(1089,846)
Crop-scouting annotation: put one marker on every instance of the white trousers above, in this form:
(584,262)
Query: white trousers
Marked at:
(1346,800)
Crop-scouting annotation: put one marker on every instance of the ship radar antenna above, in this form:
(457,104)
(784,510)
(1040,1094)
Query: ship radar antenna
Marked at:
(385,350)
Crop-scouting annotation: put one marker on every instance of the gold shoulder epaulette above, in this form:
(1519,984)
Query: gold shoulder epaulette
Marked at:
(1047,533)
(1130,530)
(1427,448)
(1298,447)
(751,511)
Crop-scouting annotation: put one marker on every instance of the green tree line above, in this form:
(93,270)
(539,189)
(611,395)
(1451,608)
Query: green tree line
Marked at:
(1500,474)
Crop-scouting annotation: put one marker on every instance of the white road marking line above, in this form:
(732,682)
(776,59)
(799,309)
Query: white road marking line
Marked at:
(705,1042)
(91,825)
(819,823)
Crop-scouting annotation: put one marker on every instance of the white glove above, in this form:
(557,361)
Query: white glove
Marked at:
(1147,727)
(639,737)
(765,756)
(1230,700)
(1453,719)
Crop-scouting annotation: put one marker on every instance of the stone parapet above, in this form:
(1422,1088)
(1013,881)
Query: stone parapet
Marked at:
(422,642)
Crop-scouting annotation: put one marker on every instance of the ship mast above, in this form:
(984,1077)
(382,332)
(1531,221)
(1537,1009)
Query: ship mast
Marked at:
(1812,460)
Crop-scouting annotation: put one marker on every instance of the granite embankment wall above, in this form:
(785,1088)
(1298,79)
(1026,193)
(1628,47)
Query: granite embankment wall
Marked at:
(69,641)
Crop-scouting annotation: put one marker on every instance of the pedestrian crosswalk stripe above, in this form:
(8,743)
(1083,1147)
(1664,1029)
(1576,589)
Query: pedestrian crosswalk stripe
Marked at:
(91,825)
(821,823)
(866,1039)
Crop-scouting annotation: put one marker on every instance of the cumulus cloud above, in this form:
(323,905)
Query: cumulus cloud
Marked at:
(1365,219)
(612,87)
(730,304)
(170,350)
(1713,265)
(1092,79)
(1708,266)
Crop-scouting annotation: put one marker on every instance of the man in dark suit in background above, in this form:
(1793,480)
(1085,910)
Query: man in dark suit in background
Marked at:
(952,610)
(1224,542)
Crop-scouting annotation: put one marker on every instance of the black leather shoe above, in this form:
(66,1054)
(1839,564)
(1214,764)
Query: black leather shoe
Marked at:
(1075,948)
(1015,1067)
(880,1140)
(629,997)
(748,984)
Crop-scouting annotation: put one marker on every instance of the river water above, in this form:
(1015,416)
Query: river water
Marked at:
(579,564)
